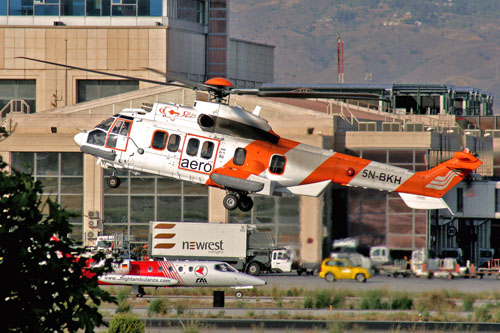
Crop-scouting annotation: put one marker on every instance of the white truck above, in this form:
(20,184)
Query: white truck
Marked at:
(390,262)
(241,245)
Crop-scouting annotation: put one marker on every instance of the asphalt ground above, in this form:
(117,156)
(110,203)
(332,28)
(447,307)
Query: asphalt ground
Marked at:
(488,284)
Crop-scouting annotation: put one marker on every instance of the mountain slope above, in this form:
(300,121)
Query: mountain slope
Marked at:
(389,41)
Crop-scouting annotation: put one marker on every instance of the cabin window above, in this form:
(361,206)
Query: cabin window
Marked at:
(150,269)
(160,269)
(190,268)
(207,149)
(277,164)
(173,143)
(96,137)
(159,141)
(192,147)
(181,269)
(170,269)
(239,156)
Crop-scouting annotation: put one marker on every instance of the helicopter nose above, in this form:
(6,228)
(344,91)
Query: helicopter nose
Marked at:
(79,137)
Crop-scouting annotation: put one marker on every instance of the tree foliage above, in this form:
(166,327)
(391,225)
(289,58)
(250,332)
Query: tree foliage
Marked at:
(46,287)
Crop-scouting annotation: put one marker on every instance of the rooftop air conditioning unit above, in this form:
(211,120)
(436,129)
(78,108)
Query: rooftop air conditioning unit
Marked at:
(90,235)
(391,127)
(93,214)
(365,126)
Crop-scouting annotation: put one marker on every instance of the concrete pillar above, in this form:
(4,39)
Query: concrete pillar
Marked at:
(216,211)
(92,197)
(311,229)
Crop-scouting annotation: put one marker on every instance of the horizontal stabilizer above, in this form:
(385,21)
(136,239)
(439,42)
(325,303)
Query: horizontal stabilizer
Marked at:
(424,202)
(311,190)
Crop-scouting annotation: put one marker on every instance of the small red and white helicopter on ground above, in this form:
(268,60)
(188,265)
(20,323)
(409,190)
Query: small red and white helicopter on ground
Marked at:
(228,147)
(178,273)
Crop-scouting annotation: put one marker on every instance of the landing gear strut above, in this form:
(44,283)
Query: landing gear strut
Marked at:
(234,200)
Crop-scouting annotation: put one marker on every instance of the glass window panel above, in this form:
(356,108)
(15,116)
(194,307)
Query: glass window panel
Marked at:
(44,207)
(264,209)
(47,10)
(401,242)
(3,7)
(122,189)
(26,89)
(169,208)
(115,209)
(50,184)
(21,7)
(420,157)
(123,10)
(73,7)
(23,162)
(397,205)
(72,185)
(77,232)
(72,164)
(396,156)
(375,155)
(142,209)
(192,188)
(142,185)
(140,232)
(288,235)
(47,164)
(195,209)
(168,186)
(289,210)
(420,223)
(150,8)
(73,204)
(237,216)
(401,224)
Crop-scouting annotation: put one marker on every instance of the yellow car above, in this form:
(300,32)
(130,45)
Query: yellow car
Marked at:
(336,269)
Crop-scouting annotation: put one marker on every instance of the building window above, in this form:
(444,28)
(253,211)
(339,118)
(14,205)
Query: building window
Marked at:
(17,96)
(142,198)
(89,90)
(279,215)
(61,175)
(460,199)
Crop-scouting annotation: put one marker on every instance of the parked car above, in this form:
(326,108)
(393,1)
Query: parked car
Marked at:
(336,269)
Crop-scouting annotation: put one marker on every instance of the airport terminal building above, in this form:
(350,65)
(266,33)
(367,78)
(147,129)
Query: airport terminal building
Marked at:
(44,106)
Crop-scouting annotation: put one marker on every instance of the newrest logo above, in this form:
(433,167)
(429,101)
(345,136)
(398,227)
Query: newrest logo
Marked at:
(442,182)
(210,246)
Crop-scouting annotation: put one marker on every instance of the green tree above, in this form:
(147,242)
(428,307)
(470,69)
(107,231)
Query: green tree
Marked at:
(45,286)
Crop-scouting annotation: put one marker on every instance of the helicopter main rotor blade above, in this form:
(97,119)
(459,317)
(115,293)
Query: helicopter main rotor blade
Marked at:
(105,73)
(188,83)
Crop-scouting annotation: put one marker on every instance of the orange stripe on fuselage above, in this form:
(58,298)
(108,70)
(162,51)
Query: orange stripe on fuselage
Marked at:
(257,158)
(336,169)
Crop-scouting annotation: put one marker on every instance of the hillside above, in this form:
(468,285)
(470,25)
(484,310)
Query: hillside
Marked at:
(390,41)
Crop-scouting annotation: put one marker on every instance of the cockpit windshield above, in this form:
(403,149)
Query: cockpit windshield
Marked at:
(96,137)
(224,268)
(106,124)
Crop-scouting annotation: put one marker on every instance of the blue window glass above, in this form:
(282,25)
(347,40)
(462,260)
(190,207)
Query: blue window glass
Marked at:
(150,7)
(124,10)
(98,7)
(73,7)
(3,7)
(21,7)
(47,10)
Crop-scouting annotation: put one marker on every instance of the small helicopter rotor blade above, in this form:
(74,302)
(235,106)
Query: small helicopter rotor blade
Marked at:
(104,73)
(307,94)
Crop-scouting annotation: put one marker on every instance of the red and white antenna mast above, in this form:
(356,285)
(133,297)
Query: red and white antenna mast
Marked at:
(340,60)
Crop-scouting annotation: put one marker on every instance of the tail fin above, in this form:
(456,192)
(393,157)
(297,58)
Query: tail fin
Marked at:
(442,178)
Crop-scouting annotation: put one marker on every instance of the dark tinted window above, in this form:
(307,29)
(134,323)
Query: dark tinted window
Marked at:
(277,164)
(173,143)
(192,147)
(159,140)
(207,149)
(239,156)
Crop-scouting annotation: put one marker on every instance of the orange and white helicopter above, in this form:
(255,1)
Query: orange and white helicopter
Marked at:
(225,146)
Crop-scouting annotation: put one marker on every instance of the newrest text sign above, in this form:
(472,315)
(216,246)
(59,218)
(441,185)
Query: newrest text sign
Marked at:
(198,239)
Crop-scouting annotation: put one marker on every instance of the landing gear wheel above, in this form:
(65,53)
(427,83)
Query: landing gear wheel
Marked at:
(245,204)
(113,182)
(238,294)
(230,201)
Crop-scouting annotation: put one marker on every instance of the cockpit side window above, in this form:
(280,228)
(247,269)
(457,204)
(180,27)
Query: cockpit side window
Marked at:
(121,127)
(173,143)
(224,268)
(239,156)
(96,137)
